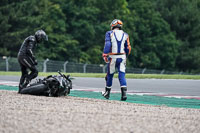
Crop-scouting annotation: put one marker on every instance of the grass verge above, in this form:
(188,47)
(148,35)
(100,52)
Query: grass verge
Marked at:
(102,75)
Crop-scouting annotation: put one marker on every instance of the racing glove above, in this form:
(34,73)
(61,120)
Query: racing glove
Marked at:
(105,58)
(36,62)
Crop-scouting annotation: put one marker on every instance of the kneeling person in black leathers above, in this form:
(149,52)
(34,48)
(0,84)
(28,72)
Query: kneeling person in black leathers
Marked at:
(27,59)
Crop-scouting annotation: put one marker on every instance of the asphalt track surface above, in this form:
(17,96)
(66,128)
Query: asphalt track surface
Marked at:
(157,86)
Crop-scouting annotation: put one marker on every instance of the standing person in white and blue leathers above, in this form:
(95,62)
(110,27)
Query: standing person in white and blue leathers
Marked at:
(116,50)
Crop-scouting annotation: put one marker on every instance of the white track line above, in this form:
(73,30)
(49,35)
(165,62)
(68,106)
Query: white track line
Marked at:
(9,83)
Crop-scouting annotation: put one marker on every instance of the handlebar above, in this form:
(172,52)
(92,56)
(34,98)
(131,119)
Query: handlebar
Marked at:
(60,73)
(66,77)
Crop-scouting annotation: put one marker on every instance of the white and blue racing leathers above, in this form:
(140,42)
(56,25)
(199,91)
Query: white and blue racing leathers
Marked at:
(117,47)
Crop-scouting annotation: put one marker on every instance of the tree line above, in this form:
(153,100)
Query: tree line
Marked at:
(163,34)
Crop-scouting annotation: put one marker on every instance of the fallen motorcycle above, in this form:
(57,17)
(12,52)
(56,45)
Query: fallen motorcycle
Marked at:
(53,85)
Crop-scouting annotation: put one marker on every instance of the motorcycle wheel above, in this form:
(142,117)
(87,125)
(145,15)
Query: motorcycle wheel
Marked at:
(36,89)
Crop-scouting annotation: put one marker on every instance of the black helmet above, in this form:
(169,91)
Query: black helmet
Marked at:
(40,35)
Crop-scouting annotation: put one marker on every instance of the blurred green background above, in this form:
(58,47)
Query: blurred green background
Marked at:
(164,34)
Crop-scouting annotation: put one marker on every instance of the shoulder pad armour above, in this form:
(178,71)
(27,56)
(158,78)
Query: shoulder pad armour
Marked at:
(32,38)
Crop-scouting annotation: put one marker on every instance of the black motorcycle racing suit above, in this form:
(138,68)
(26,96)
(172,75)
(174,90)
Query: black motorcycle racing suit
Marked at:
(27,60)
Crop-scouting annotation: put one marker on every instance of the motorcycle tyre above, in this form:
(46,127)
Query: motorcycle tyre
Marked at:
(37,89)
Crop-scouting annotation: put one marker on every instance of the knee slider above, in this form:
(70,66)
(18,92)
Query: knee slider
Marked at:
(35,73)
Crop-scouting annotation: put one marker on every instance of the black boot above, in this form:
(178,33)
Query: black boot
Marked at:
(106,94)
(123,91)
(20,88)
(27,81)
